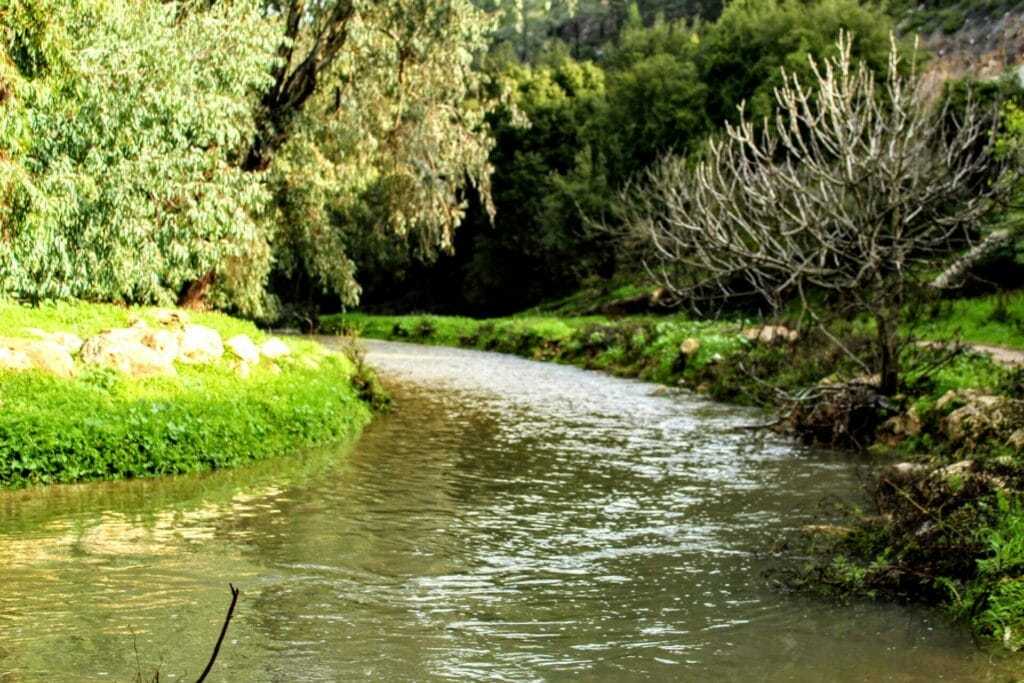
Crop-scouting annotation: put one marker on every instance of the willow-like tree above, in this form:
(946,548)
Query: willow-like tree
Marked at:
(379,140)
(854,188)
(118,124)
(147,148)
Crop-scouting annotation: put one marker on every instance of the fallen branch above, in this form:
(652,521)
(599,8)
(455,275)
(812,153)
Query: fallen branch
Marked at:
(953,276)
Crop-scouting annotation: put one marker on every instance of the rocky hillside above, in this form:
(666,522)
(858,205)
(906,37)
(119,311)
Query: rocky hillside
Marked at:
(983,40)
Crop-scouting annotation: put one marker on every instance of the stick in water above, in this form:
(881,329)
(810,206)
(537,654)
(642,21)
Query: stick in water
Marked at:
(223,632)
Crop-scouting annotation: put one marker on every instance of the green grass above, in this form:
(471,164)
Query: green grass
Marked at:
(104,425)
(645,347)
(997,319)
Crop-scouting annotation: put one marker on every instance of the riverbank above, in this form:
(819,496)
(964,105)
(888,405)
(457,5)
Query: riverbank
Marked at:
(946,523)
(144,399)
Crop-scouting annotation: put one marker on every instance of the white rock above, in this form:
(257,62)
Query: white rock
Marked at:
(71,342)
(771,334)
(163,342)
(14,359)
(200,344)
(689,346)
(244,348)
(169,317)
(25,354)
(274,348)
(122,351)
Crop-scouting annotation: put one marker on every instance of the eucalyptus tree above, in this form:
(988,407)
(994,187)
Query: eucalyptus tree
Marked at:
(374,124)
(151,148)
(120,121)
(852,189)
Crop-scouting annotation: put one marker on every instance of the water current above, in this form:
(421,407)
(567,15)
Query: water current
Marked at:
(508,521)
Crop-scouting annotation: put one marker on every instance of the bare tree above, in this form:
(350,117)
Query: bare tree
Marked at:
(856,188)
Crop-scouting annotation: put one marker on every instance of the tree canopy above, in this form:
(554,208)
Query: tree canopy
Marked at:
(148,145)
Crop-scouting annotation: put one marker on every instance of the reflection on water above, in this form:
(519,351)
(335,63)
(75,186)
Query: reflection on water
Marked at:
(509,521)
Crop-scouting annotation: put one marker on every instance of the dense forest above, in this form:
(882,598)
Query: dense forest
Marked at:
(275,159)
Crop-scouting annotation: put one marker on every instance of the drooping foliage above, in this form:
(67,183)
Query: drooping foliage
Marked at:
(120,122)
(383,151)
(147,147)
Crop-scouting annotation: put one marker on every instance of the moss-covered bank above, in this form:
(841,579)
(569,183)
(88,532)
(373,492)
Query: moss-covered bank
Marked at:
(101,424)
(945,519)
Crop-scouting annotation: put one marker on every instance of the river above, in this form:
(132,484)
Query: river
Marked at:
(508,521)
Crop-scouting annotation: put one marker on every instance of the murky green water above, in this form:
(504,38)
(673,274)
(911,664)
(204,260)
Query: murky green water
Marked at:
(510,521)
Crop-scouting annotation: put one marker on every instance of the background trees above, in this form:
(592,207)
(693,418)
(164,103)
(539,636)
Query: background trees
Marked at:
(323,153)
(852,189)
(582,128)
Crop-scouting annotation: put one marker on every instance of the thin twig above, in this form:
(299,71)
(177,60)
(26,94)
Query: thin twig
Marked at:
(138,664)
(223,632)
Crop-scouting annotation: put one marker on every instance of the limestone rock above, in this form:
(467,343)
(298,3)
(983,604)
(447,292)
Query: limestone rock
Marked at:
(71,342)
(51,357)
(124,351)
(984,418)
(14,359)
(956,469)
(163,342)
(200,344)
(168,317)
(946,399)
(244,348)
(274,348)
(771,334)
(899,427)
(909,467)
(27,354)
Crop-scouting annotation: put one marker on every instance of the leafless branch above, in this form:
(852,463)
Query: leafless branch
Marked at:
(223,632)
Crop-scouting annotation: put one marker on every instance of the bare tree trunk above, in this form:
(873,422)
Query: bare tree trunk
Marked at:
(888,357)
(196,297)
(296,79)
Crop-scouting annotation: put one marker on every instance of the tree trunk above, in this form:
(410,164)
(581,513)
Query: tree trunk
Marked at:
(196,297)
(296,79)
(888,358)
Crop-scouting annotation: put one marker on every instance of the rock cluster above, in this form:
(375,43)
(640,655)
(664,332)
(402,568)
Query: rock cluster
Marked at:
(138,350)
(771,334)
(981,418)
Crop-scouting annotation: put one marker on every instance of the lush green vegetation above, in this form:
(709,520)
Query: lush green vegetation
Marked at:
(151,151)
(996,319)
(268,158)
(577,130)
(102,424)
(648,348)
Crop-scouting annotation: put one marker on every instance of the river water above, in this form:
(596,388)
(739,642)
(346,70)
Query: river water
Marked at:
(508,521)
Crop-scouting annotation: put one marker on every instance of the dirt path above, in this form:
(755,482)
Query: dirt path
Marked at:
(1001,354)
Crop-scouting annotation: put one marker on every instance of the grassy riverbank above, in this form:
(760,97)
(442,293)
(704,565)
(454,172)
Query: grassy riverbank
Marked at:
(945,522)
(101,424)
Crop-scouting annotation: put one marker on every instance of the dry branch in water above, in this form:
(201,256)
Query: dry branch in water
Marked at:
(223,632)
